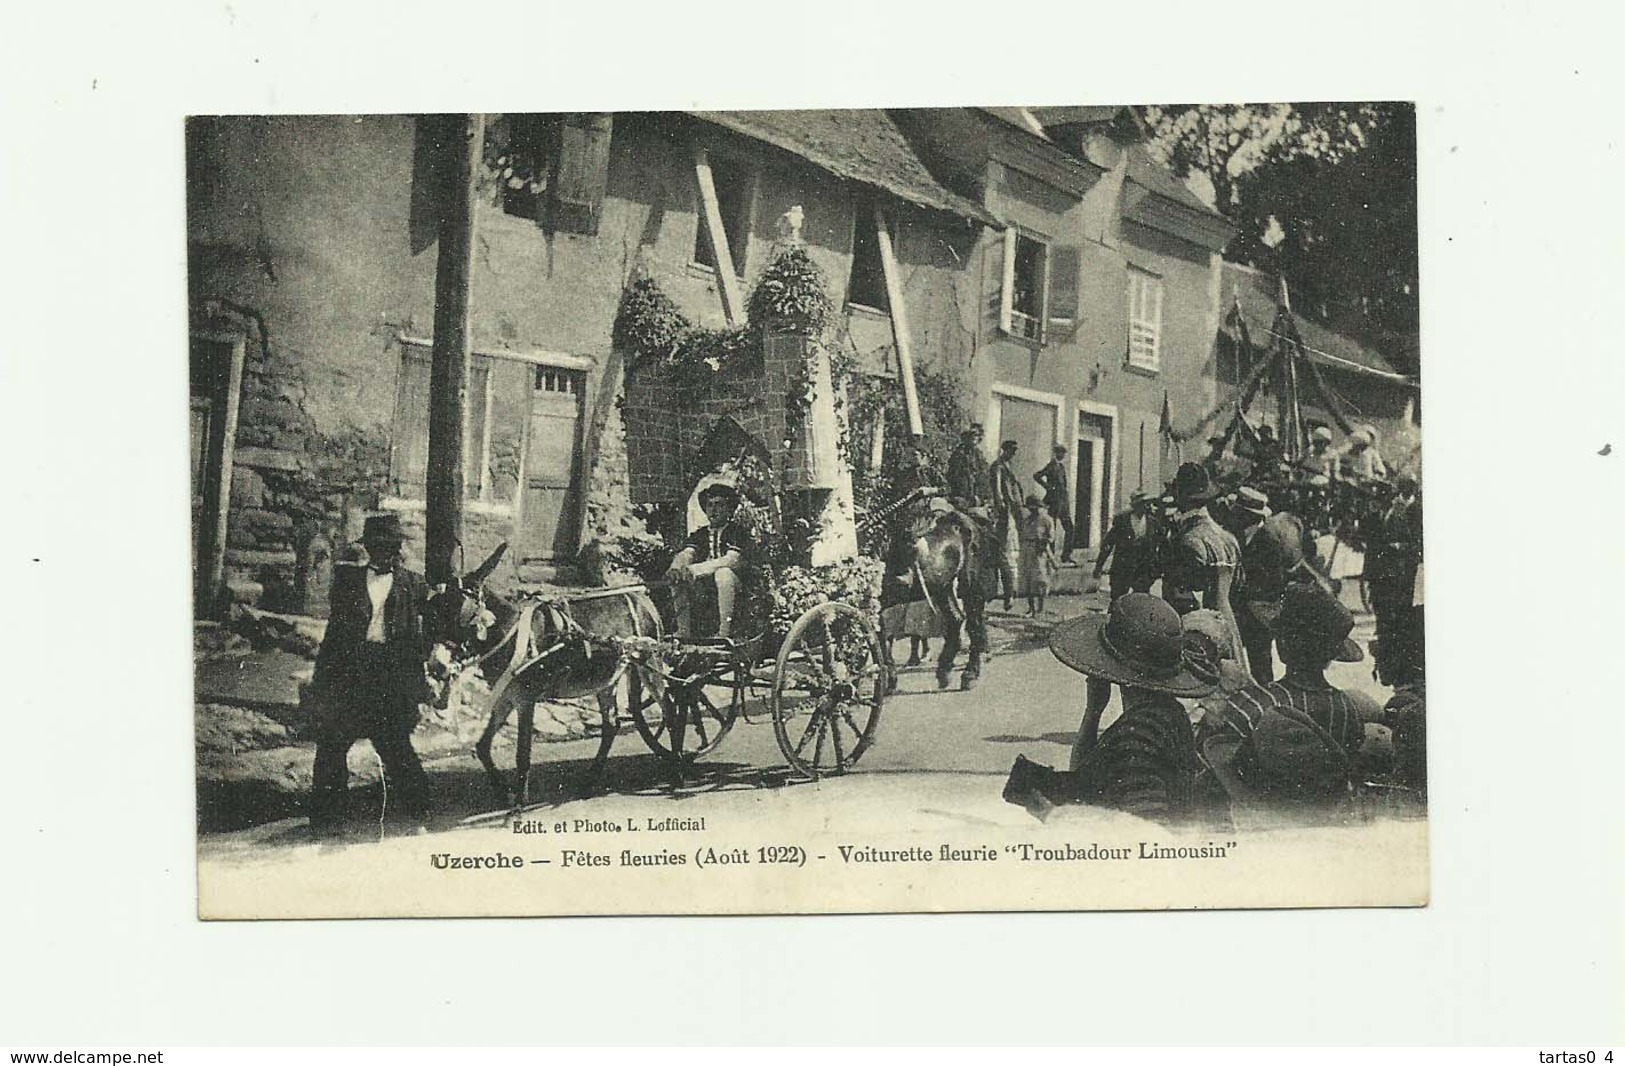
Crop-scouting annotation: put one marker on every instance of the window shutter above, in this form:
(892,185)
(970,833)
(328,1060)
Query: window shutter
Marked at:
(1065,266)
(582,172)
(409,440)
(1007,291)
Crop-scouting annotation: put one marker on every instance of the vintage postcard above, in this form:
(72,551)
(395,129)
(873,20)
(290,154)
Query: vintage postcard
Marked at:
(944,509)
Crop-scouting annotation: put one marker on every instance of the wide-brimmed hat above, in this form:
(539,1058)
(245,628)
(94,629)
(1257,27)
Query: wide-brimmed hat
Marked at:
(1192,484)
(1321,433)
(940,505)
(1313,618)
(1034,501)
(1140,643)
(383,528)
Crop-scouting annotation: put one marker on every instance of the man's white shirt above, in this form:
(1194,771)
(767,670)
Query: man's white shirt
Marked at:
(378,586)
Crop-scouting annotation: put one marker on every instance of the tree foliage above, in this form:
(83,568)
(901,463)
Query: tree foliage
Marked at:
(1323,194)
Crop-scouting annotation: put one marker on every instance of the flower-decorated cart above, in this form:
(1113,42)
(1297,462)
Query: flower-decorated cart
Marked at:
(763,404)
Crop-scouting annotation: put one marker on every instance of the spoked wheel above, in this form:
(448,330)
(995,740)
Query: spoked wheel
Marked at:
(688,713)
(828,687)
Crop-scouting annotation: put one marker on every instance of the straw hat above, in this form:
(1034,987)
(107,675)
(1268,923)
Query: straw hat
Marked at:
(1140,643)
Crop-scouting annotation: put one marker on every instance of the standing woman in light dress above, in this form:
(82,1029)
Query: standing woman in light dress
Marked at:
(1037,564)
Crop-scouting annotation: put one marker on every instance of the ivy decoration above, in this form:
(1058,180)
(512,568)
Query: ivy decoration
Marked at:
(790,296)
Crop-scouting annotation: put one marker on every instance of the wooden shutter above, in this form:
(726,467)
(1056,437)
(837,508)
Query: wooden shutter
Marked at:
(1065,266)
(409,440)
(581,172)
(1007,290)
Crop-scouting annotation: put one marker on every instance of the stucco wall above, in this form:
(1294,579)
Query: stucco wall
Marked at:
(305,223)
(1089,363)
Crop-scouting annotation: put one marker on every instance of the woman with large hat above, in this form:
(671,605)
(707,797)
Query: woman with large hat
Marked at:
(1293,743)
(1145,763)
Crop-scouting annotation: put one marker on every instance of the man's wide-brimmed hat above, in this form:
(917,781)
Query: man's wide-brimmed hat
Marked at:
(1312,618)
(383,528)
(1192,484)
(1034,501)
(1140,643)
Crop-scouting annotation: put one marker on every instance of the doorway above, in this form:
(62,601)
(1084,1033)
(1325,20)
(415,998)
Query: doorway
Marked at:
(1093,475)
(553,449)
(216,374)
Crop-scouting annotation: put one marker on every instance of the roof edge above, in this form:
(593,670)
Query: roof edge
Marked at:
(945,201)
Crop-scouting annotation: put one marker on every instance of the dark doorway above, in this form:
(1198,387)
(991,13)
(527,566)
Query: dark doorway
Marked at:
(216,375)
(1083,477)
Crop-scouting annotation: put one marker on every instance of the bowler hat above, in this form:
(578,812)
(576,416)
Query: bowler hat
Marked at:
(1192,484)
(383,528)
(1313,618)
(1140,643)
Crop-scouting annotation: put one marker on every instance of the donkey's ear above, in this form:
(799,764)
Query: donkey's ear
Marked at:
(485,569)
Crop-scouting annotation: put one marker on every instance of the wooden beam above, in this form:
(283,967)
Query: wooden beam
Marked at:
(448,365)
(727,281)
(899,323)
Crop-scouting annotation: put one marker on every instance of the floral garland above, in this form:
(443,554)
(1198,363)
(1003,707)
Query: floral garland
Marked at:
(650,326)
(798,589)
(790,296)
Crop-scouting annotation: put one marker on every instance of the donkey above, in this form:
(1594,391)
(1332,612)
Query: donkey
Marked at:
(534,649)
(957,567)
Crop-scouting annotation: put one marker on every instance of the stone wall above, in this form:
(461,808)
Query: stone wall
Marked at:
(668,420)
(296,492)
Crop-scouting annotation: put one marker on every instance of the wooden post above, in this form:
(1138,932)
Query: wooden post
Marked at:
(727,282)
(899,324)
(448,367)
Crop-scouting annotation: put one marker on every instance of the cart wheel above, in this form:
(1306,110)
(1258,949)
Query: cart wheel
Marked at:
(685,718)
(828,687)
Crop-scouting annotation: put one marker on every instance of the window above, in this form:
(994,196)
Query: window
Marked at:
(551,169)
(409,449)
(735,187)
(866,286)
(1025,295)
(1144,319)
(519,154)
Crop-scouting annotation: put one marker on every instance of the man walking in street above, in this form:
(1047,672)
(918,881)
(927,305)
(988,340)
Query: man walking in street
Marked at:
(1005,488)
(369,678)
(1392,560)
(1266,559)
(966,475)
(1132,546)
(1057,500)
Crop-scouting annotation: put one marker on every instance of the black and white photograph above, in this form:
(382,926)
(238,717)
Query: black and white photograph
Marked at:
(732,525)
(850,509)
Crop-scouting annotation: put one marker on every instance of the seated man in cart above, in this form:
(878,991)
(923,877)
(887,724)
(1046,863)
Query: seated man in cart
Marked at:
(717,555)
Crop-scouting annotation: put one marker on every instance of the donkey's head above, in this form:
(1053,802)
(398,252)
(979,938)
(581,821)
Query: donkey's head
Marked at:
(464,622)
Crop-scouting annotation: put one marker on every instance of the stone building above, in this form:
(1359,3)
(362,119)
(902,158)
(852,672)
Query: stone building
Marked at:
(311,275)
(1065,284)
